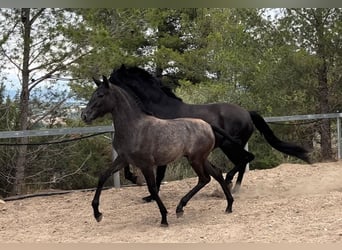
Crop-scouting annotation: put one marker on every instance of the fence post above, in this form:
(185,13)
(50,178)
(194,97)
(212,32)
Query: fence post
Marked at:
(247,166)
(116,176)
(339,142)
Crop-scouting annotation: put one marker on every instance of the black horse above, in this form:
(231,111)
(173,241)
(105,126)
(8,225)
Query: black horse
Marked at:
(161,102)
(146,142)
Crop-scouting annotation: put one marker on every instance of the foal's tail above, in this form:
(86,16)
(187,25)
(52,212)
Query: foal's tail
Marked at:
(227,136)
(239,151)
(284,147)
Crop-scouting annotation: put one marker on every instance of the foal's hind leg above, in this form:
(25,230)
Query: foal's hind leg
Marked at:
(203,179)
(153,189)
(159,177)
(217,174)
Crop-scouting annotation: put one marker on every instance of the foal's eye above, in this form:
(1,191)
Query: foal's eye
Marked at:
(100,95)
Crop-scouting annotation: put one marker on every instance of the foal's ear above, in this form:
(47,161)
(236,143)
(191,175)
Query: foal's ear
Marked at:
(105,81)
(97,82)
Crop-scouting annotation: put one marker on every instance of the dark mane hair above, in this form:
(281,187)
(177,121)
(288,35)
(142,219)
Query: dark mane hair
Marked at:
(138,79)
(136,100)
(130,93)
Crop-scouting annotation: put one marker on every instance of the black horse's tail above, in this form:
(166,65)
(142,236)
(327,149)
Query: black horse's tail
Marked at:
(234,145)
(284,147)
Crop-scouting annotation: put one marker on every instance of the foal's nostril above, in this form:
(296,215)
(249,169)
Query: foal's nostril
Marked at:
(83,116)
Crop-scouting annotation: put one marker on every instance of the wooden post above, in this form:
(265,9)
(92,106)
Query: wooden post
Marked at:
(116,175)
(339,139)
(247,166)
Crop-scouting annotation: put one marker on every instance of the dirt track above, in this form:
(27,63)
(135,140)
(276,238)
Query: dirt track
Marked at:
(290,203)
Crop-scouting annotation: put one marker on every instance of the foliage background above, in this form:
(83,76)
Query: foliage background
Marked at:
(278,62)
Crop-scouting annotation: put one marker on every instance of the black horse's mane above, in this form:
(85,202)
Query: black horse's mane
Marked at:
(139,79)
(136,99)
(132,95)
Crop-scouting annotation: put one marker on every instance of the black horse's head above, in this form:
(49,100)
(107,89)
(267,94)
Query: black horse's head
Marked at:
(146,87)
(98,104)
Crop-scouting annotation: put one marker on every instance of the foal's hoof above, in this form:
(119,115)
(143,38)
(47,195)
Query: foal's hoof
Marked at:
(164,224)
(99,217)
(148,198)
(229,210)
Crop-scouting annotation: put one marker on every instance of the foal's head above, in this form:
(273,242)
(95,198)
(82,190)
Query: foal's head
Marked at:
(99,103)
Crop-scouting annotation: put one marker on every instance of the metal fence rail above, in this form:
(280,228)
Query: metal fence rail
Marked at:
(110,129)
(337,116)
(56,131)
(303,117)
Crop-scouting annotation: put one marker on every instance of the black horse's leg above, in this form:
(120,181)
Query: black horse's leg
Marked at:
(240,160)
(203,179)
(238,182)
(159,177)
(153,189)
(115,166)
(240,168)
(217,174)
(129,175)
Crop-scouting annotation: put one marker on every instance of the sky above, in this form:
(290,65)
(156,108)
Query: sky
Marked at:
(12,86)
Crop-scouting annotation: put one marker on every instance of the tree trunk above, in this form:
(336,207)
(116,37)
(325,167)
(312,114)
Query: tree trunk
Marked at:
(323,88)
(326,151)
(19,183)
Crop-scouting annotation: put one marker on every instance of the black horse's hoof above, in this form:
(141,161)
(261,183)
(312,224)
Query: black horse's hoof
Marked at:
(230,186)
(147,198)
(236,189)
(179,213)
(164,224)
(99,217)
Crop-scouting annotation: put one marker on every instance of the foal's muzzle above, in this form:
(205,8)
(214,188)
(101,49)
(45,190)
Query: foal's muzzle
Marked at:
(85,117)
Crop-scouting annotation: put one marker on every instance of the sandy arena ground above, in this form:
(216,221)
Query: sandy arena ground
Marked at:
(290,203)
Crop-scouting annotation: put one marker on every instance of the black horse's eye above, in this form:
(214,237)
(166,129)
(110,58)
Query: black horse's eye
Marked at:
(100,95)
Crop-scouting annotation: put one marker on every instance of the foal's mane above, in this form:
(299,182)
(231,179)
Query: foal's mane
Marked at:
(141,80)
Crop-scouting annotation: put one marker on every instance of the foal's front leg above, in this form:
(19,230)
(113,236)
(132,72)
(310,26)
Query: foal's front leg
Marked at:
(159,178)
(153,189)
(118,164)
(129,175)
